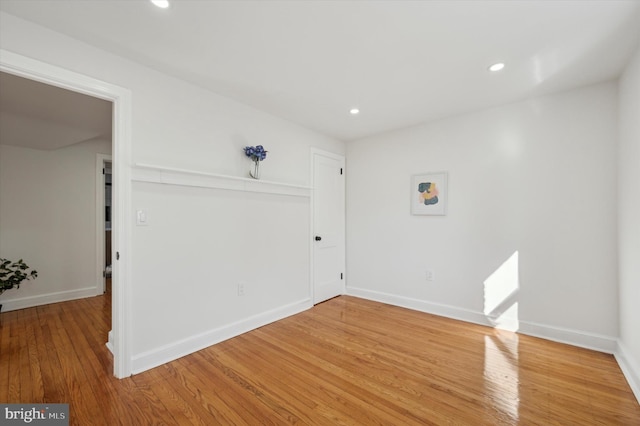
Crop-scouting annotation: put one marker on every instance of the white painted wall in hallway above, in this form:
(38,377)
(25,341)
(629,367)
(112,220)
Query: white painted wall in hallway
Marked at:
(47,217)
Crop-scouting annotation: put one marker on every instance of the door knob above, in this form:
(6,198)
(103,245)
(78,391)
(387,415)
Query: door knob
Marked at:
(318,238)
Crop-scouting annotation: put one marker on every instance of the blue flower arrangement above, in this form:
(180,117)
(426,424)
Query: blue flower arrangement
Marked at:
(256,153)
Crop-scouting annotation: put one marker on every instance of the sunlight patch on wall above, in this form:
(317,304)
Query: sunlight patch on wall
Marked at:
(500,295)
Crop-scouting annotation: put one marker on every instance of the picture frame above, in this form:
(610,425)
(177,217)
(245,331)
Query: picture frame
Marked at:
(429,194)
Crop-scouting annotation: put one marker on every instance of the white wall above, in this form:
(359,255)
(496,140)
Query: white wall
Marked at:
(48,218)
(536,177)
(184,290)
(201,243)
(629,222)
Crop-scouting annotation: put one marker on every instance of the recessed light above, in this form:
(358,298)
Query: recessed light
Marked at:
(354,111)
(496,67)
(161,3)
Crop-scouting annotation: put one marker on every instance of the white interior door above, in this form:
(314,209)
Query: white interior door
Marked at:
(328,225)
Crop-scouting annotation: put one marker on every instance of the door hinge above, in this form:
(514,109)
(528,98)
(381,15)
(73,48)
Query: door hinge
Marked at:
(117,255)
(341,275)
(340,170)
(103,170)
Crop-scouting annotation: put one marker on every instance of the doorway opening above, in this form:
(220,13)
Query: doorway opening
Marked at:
(18,65)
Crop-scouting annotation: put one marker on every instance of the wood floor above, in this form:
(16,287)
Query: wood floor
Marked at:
(346,361)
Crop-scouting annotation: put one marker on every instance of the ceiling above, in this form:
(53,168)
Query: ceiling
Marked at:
(400,62)
(38,116)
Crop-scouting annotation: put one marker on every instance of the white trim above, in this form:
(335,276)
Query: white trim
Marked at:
(311,216)
(312,153)
(121,146)
(174,176)
(447,311)
(100,230)
(582,339)
(578,338)
(121,233)
(324,153)
(173,351)
(45,299)
(109,343)
(629,368)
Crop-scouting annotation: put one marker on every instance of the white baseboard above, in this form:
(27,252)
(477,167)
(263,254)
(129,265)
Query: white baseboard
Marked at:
(109,343)
(571,337)
(629,367)
(578,338)
(421,305)
(150,359)
(45,299)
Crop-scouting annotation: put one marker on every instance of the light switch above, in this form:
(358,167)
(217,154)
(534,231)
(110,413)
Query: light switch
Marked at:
(141,218)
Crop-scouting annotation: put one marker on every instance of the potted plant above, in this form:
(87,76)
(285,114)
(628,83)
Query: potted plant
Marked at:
(12,274)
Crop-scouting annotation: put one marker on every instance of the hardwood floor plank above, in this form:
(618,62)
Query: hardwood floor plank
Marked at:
(13,353)
(288,391)
(347,361)
(5,367)
(326,386)
(415,367)
(49,364)
(37,387)
(204,390)
(241,397)
(367,394)
(181,410)
(79,391)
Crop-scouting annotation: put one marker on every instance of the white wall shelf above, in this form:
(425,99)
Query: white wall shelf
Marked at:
(174,176)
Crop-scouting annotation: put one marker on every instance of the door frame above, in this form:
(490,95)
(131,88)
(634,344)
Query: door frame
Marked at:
(312,246)
(101,160)
(33,69)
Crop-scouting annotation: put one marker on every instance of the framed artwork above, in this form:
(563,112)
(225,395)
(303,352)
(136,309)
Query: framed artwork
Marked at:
(429,194)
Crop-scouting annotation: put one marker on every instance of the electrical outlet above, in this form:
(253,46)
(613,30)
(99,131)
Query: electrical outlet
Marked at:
(429,275)
(241,289)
